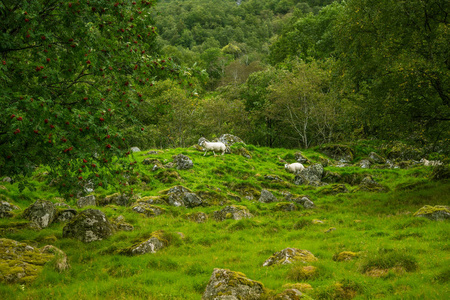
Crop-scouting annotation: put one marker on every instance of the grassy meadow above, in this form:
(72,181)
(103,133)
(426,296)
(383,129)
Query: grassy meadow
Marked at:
(397,255)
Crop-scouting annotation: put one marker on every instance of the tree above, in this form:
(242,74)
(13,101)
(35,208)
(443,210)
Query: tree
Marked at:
(69,72)
(394,61)
(302,102)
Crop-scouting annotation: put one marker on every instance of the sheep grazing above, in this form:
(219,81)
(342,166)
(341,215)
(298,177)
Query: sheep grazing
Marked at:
(430,163)
(217,146)
(294,168)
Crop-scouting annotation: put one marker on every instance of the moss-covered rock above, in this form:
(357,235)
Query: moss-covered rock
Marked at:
(345,256)
(156,242)
(334,189)
(341,153)
(302,287)
(399,151)
(168,176)
(147,209)
(304,201)
(116,199)
(21,263)
(310,176)
(288,256)
(285,206)
(331,177)
(436,213)
(41,212)
(65,214)
(183,162)
(6,209)
(290,294)
(376,158)
(154,199)
(89,226)
(227,285)
(120,224)
(300,272)
(368,184)
(181,196)
(86,201)
(197,217)
(267,197)
(235,212)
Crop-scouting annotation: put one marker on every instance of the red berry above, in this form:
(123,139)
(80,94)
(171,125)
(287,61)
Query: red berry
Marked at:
(36,131)
(93,165)
(142,128)
(52,126)
(19,119)
(27,20)
(12,116)
(88,62)
(43,37)
(79,178)
(46,121)
(84,160)
(108,146)
(4,62)
(101,119)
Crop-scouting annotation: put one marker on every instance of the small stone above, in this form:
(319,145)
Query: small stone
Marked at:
(147,209)
(156,242)
(197,217)
(6,209)
(235,212)
(330,229)
(288,256)
(183,162)
(305,201)
(135,149)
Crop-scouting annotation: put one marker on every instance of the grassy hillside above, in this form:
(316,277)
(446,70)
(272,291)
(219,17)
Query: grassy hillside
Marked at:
(398,256)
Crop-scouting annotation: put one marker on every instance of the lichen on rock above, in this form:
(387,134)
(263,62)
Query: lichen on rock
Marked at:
(6,209)
(436,213)
(147,209)
(226,285)
(197,217)
(89,226)
(41,212)
(235,212)
(22,263)
(288,256)
(156,242)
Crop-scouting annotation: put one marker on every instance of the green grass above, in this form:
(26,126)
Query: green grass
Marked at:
(379,226)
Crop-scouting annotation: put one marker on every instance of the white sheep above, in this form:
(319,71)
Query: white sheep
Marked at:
(430,163)
(294,168)
(217,146)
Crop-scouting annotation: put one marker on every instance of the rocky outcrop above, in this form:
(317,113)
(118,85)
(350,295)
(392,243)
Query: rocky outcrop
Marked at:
(183,162)
(435,213)
(310,176)
(235,212)
(288,256)
(229,139)
(6,209)
(22,263)
(120,224)
(41,212)
(156,242)
(299,157)
(181,196)
(267,197)
(376,159)
(89,226)
(65,215)
(86,201)
(229,285)
(147,209)
(304,201)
